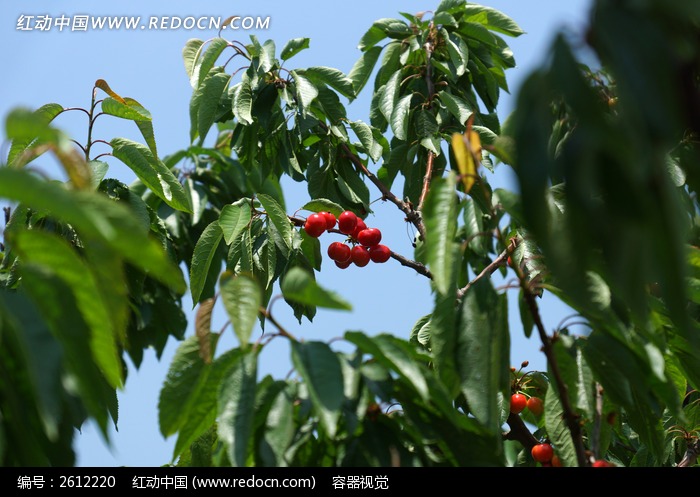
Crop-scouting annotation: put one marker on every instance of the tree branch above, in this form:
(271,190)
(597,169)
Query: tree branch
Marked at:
(417,266)
(691,455)
(499,261)
(570,417)
(519,432)
(428,47)
(413,216)
(426,179)
(282,331)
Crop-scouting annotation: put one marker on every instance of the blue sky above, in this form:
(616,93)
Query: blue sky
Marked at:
(61,66)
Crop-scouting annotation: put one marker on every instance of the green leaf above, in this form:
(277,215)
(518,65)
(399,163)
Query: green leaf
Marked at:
(450,6)
(280,427)
(40,350)
(110,276)
(421,331)
(440,217)
(492,19)
(575,374)
(323,204)
(234,219)
(56,256)
(510,202)
(190,53)
(390,94)
(128,108)
(201,407)
(32,130)
(242,300)
(306,91)
(204,252)
(332,77)
(152,172)
(396,355)
(210,94)
(180,387)
(243,102)
(236,415)
(300,287)
(460,109)
(426,124)
(362,70)
(399,118)
(58,309)
(371,37)
(132,112)
(526,318)
(479,240)
(459,54)
(99,170)
(364,133)
(278,216)
(320,369)
(483,352)
(94,215)
(293,47)
(204,64)
(558,431)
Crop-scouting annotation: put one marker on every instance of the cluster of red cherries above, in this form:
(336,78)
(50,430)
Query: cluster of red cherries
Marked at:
(365,241)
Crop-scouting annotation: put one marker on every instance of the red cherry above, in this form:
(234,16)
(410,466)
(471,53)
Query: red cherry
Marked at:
(601,463)
(343,265)
(379,253)
(315,225)
(360,226)
(347,222)
(369,237)
(517,403)
(330,219)
(556,462)
(360,256)
(339,252)
(535,406)
(542,452)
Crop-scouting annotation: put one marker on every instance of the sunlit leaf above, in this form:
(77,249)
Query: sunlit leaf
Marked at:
(242,300)
(298,286)
(202,258)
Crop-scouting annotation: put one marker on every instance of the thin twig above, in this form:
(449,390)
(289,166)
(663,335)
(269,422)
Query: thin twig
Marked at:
(277,325)
(499,261)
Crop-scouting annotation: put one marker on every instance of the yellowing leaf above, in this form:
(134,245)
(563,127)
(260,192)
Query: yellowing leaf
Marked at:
(465,161)
(475,144)
(102,85)
(467,151)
